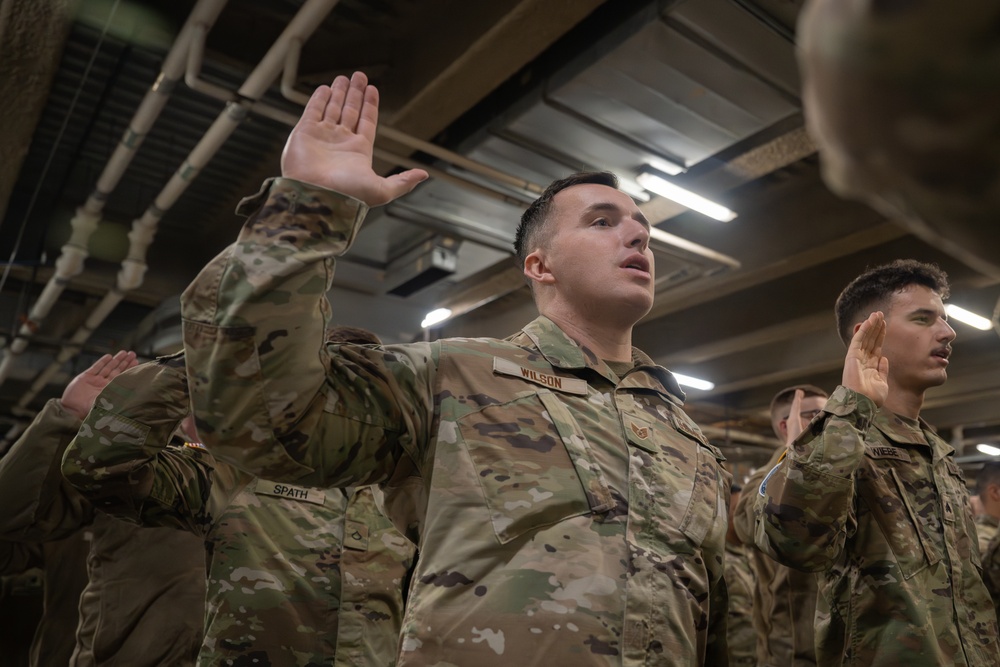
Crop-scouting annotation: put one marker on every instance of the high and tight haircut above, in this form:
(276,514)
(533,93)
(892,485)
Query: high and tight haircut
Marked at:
(355,335)
(531,232)
(782,401)
(872,290)
(990,474)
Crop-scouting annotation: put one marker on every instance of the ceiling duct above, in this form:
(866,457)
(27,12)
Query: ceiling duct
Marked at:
(422,265)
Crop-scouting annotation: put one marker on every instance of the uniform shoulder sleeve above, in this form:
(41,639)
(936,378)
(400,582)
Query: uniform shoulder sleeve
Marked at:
(269,395)
(805,505)
(38,504)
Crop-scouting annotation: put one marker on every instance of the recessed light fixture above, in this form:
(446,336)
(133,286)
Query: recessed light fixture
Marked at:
(694,383)
(436,316)
(989,450)
(967,317)
(657,183)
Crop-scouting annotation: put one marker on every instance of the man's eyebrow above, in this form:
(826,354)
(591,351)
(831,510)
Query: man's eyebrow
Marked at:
(930,312)
(614,208)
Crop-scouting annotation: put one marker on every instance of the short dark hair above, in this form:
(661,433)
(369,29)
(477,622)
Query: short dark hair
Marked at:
(783,400)
(990,474)
(872,289)
(530,232)
(356,335)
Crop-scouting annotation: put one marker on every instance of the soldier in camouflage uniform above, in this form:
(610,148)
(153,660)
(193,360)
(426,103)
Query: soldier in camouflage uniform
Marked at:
(296,575)
(740,584)
(873,498)
(988,491)
(784,608)
(988,488)
(145,594)
(568,511)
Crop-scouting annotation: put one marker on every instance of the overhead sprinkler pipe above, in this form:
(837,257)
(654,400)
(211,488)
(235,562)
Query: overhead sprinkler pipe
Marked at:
(133,268)
(74,253)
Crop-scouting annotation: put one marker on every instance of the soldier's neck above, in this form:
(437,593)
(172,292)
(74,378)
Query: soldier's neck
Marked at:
(904,402)
(606,340)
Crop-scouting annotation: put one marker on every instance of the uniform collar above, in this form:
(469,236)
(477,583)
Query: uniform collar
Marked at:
(561,351)
(905,431)
(987,520)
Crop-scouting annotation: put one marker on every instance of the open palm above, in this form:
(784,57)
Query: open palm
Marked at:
(80,394)
(331,145)
(866,371)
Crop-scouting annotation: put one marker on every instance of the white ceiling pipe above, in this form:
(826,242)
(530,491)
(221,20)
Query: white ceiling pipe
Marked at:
(75,252)
(290,93)
(133,268)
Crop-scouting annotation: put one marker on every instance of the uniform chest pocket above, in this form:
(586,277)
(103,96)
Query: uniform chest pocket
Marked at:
(905,514)
(959,520)
(675,480)
(534,464)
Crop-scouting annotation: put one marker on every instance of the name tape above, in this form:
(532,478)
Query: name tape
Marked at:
(559,383)
(314,496)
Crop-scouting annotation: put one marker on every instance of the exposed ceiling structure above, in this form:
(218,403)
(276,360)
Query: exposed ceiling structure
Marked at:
(158,116)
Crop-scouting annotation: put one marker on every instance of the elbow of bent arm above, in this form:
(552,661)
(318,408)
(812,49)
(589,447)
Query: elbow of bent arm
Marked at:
(792,537)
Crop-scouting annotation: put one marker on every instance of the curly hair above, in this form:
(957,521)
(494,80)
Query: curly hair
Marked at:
(872,289)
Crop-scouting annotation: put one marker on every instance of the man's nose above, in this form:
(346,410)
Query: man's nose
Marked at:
(638,234)
(947,333)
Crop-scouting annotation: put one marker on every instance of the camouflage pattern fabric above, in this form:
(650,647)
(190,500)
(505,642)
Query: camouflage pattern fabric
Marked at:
(739,581)
(986,529)
(497,455)
(879,506)
(296,575)
(989,550)
(784,599)
(144,599)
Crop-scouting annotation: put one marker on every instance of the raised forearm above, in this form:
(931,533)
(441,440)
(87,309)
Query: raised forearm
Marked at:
(805,506)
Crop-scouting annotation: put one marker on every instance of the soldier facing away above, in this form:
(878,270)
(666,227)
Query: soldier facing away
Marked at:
(296,575)
(784,608)
(145,592)
(873,498)
(568,510)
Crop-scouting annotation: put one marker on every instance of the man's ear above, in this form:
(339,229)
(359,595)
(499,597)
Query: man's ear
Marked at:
(783,430)
(856,327)
(536,269)
(993,490)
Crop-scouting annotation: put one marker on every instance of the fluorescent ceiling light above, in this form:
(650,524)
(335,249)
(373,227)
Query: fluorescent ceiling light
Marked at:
(695,383)
(435,316)
(661,186)
(666,166)
(966,317)
(988,449)
(633,189)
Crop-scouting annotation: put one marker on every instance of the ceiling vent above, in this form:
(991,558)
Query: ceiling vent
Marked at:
(423,265)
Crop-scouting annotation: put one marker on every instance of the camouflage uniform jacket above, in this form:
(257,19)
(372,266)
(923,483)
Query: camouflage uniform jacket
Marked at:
(986,529)
(146,591)
(740,584)
(286,585)
(563,513)
(784,599)
(884,512)
(991,571)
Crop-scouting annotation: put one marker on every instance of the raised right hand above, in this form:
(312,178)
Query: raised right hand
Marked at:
(82,391)
(331,145)
(866,371)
